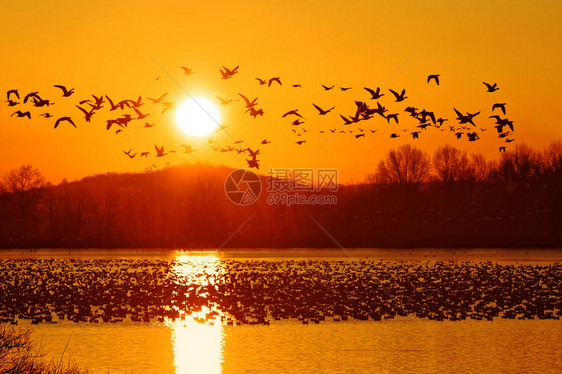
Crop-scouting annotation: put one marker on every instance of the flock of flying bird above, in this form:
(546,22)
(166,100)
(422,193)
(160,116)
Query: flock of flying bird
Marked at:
(363,112)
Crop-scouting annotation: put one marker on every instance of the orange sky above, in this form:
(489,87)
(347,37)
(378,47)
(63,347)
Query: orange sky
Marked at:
(105,47)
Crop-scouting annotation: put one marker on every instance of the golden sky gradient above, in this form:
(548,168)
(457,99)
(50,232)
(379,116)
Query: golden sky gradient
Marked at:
(105,47)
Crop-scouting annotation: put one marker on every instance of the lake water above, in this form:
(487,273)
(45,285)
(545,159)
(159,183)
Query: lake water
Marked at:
(400,344)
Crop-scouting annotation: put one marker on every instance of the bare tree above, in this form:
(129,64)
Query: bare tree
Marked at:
(25,184)
(452,165)
(404,166)
(552,157)
(519,164)
(483,169)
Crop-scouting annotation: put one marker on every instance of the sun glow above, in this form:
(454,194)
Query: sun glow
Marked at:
(197,117)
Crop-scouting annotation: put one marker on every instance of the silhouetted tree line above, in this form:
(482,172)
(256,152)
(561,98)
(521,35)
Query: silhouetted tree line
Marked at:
(413,199)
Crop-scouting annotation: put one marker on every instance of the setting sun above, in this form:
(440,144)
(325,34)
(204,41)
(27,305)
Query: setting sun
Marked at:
(197,117)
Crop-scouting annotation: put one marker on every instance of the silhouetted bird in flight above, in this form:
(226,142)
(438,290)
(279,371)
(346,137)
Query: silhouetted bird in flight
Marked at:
(254,113)
(272,80)
(322,111)
(187,71)
(501,122)
(63,119)
(167,105)
(491,87)
(136,104)
(139,114)
(41,103)
(12,102)
(394,135)
(359,135)
(249,103)
(19,113)
(499,106)
(187,148)
(254,154)
(509,140)
(159,151)
(99,101)
(156,101)
(392,116)
(261,81)
(435,77)
(292,112)
(223,101)
(265,141)
(65,92)
(113,106)
(346,121)
(375,94)
(399,97)
(502,149)
(145,154)
(413,111)
(472,136)
(424,113)
(345,88)
(148,125)
(227,73)
(87,114)
(297,85)
(31,95)
(328,88)
(301,142)
(46,115)
(415,134)
(466,118)
(12,92)
(253,163)
(297,122)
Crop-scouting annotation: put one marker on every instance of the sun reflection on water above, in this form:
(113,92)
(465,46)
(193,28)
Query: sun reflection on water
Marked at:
(198,339)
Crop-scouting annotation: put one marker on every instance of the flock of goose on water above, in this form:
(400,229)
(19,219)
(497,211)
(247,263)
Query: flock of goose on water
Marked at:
(233,292)
(365,110)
